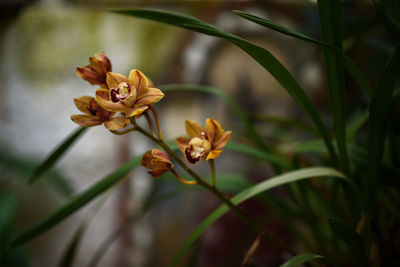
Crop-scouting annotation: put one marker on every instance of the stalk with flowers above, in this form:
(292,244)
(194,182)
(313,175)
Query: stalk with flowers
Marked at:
(349,220)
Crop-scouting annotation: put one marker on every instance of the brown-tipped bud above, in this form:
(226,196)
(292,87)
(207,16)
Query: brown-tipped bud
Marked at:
(96,71)
(157,161)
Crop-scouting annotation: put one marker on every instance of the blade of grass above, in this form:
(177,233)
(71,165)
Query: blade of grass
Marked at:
(56,155)
(75,203)
(258,153)
(300,259)
(252,192)
(262,56)
(71,249)
(378,123)
(330,15)
(286,122)
(389,11)
(346,61)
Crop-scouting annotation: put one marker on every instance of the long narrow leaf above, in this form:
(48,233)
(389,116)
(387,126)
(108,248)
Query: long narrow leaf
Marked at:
(389,11)
(75,203)
(378,122)
(346,61)
(300,259)
(253,191)
(330,15)
(56,155)
(262,56)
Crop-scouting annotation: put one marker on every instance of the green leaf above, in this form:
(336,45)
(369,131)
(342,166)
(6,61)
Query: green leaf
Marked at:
(253,191)
(389,11)
(262,56)
(300,259)
(352,239)
(378,121)
(56,155)
(75,203)
(346,61)
(258,153)
(69,254)
(330,15)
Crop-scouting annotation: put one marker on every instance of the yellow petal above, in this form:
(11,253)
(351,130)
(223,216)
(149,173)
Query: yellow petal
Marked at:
(214,129)
(193,129)
(135,111)
(113,79)
(223,140)
(103,99)
(139,81)
(183,143)
(117,123)
(213,154)
(86,120)
(82,103)
(151,96)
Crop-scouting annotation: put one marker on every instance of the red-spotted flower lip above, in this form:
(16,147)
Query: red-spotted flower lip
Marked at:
(122,92)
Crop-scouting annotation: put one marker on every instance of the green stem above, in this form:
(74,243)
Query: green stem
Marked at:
(213,190)
(212,167)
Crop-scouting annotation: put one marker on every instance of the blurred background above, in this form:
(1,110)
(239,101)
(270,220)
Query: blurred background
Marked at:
(42,42)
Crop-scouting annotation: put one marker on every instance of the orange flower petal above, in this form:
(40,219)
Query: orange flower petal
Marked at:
(82,103)
(157,172)
(183,143)
(89,75)
(139,81)
(117,123)
(146,159)
(135,111)
(113,79)
(161,156)
(103,99)
(86,120)
(223,140)
(151,96)
(213,154)
(193,129)
(214,129)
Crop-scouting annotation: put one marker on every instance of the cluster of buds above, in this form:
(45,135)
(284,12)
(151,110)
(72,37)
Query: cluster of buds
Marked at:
(119,99)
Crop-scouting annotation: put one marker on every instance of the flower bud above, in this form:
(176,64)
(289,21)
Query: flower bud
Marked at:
(157,161)
(96,71)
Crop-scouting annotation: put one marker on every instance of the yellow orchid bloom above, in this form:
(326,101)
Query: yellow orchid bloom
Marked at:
(96,71)
(96,115)
(203,143)
(130,96)
(157,161)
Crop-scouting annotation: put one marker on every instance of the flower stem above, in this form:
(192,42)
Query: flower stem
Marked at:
(218,194)
(149,122)
(212,167)
(180,179)
(160,135)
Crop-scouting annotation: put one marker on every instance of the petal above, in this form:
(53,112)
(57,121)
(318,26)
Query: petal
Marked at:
(146,160)
(139,80)
(183,143)
(89,75)
(193,129)
(213,154)
(86,120)
(161,156)
(223,140)
(157,172)
(103,99)
(214,129)
(151,96)
(117,123)
(82,103)
(135,111)
(113,79)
